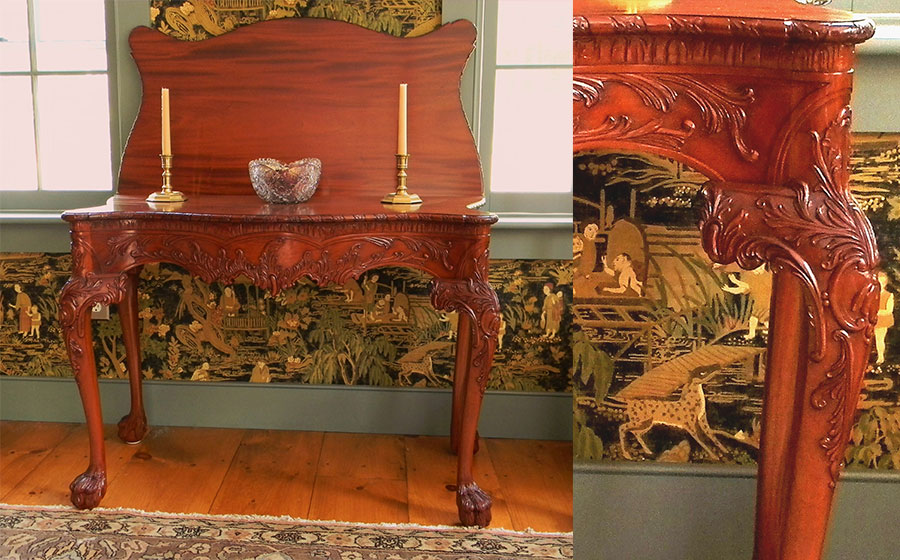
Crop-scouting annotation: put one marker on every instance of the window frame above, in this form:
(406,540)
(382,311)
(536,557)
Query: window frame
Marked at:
(16,203)
(535,209)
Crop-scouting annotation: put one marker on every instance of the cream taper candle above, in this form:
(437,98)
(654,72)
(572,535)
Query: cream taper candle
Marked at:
(401,124)
(166,131)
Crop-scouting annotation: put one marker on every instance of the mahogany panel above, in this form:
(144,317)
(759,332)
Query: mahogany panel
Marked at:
(295,88)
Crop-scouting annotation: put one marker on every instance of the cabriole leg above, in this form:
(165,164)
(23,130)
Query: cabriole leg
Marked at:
(477,301)
(76,300)
(460,374)
(824,306)
(133,426)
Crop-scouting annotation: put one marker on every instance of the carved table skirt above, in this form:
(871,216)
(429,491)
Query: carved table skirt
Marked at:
(274,247)
(757,99)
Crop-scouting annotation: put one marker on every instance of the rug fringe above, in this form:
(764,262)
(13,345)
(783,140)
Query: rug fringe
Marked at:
(297,520)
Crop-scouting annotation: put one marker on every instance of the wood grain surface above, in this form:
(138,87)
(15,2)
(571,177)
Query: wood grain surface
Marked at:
(303,474)
(294,88)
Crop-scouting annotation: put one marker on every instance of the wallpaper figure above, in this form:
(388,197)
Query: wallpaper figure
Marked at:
(35,316)
(194,20)
(419,361)
(401,308)
(585,245)
(370,291)
(23,306)
(885,317)
(757,284)
(260,373)
(229,303)
(688,413)
(352,292)
(201,373)
(450,319)
(623,272)
(552,313)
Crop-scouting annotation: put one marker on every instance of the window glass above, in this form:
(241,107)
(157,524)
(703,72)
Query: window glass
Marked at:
(54,99)
(18,164)
(70,35)
(534,32)
(74,132)
(14,36)
(532,138)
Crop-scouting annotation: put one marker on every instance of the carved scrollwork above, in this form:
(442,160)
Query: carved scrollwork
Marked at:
(476,298)
(660,39)
(819,234)
(78,296)
(775,29)
(686,25)
(649,134)
(580,24)
(721,109)
(628,23)
(283,259)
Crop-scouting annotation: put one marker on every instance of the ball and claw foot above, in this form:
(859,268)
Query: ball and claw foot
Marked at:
(132,428)
(474,505)
(88,489)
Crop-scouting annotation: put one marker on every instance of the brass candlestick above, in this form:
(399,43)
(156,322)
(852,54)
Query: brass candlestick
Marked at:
(166,194)
(401,195)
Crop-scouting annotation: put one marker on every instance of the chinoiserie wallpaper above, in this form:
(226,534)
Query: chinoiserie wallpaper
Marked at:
(649,307)
(379,330)
(194,20)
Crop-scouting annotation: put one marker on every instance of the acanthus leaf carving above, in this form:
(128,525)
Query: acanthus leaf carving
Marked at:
(721,109)
(324,261)
(818,233)
(474,297)
(77,298)
(478,300)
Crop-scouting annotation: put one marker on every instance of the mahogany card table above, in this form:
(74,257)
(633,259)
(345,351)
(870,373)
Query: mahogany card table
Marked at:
(288,89)
(756,96)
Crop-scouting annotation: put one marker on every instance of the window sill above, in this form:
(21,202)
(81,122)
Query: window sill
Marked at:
(30,217)
(530,220)
(887,36)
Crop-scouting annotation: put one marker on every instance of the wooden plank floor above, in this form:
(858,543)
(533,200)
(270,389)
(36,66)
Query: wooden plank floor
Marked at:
(314,475)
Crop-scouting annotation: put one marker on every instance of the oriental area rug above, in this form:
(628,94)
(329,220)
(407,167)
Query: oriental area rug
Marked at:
(57,533)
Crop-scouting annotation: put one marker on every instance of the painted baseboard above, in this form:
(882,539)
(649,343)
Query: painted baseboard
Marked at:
(307,407)
(698,512)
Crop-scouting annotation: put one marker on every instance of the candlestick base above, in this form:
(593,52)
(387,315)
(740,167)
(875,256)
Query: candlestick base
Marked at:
(401,195)
(401,198)
(166,194)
